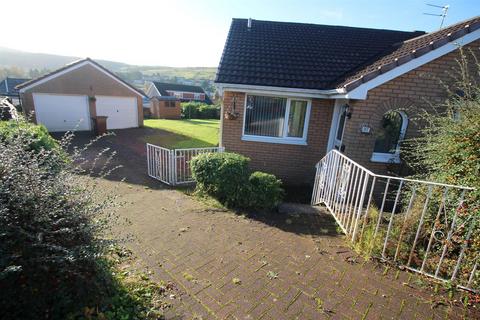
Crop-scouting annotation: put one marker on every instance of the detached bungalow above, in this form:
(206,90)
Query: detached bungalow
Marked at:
(71,97)
(293,91)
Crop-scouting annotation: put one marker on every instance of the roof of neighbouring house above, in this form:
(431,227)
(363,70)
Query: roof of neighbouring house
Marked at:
(66,68)
(310,56)
(7,86)
(163,87)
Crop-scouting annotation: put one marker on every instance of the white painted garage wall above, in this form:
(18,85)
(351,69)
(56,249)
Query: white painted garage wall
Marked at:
(62,112)
(121,111)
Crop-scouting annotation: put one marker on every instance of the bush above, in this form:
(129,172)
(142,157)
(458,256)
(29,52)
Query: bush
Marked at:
(449,152)
(222,175)
(198,110)
(50,228)
(225,176)
(265,191)
(38,136)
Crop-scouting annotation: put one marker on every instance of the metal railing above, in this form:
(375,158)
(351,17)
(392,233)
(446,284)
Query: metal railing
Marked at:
(171,166)
(427,227)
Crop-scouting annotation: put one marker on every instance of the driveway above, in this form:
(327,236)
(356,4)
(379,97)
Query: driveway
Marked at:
(291,265)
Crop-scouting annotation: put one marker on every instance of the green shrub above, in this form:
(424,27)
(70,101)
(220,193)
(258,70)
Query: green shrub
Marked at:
(198,110)
(38,135)
(222,175)
(50,228)
(265,190)
(226,177)
(448,151)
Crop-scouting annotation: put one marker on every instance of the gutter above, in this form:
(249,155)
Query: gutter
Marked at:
(284,91)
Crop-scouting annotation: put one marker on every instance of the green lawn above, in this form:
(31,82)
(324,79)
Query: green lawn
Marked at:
(194,133)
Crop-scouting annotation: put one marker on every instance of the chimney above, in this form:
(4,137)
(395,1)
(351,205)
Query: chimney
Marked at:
(249,24)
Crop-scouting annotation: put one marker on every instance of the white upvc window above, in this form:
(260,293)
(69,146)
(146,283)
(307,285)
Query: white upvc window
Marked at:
(389,137)
(276,119)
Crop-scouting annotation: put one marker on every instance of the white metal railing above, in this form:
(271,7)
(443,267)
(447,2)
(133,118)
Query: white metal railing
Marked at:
(426,227)
(172,166)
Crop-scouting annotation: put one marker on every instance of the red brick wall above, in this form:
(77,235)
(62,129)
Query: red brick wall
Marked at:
(295,164)
(159,110)
(415,91)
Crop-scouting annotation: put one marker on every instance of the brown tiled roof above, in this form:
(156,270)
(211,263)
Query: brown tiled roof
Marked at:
(406,51)
(25,84)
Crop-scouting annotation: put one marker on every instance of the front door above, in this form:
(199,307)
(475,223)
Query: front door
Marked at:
(338,125)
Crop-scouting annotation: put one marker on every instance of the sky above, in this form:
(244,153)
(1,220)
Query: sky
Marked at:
(188,33)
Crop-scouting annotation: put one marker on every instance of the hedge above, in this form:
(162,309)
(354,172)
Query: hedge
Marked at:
(197,110)
(226,177)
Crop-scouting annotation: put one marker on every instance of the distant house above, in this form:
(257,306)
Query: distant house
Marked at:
(7,88)
(182,92)
(291,92)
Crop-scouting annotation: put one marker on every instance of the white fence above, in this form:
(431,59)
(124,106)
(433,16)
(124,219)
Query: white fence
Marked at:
(173,166)
(426,227)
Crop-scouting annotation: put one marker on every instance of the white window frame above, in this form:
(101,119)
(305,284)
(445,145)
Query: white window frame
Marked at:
(393,157)
(285,139)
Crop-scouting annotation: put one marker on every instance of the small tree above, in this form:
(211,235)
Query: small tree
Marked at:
(51,226)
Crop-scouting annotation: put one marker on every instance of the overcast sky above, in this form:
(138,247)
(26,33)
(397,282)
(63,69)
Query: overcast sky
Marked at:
(188,32)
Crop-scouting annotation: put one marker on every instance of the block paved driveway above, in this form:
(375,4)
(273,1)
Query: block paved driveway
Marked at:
(293,265)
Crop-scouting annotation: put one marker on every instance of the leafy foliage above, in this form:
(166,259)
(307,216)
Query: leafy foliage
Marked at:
(198,110)
(50,226)
(55,259)
(222,175)
(37,135)
(225,176)
(265,190)
(449,151)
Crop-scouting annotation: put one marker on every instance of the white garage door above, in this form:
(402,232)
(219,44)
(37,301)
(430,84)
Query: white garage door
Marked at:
(62,112)
(121,111)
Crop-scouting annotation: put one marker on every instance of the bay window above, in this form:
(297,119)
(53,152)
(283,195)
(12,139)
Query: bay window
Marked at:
(276,119)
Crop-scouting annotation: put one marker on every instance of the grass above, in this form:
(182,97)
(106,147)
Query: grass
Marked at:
(186,133)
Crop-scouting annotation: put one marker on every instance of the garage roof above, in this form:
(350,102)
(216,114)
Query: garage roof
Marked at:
(72,66)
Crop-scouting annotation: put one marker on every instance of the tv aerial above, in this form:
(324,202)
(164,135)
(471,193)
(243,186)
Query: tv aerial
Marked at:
(443,14)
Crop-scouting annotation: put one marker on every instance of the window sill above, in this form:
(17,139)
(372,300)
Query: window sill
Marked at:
(274,140)
(385,158)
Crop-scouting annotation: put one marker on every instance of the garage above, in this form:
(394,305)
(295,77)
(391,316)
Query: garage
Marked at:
(62,112)
(68,98)
(121,112)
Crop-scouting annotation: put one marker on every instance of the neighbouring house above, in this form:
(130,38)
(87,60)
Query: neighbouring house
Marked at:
(293,91)
(183,92)
(7,88)
(70,97)
(165,107)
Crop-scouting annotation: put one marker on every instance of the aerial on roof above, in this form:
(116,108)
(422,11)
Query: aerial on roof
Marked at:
(7,86)
(310,56)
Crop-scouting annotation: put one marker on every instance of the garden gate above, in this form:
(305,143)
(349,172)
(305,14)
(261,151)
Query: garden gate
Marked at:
(171,166)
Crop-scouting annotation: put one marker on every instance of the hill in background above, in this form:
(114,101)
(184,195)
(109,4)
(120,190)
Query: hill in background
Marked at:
(18,63)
